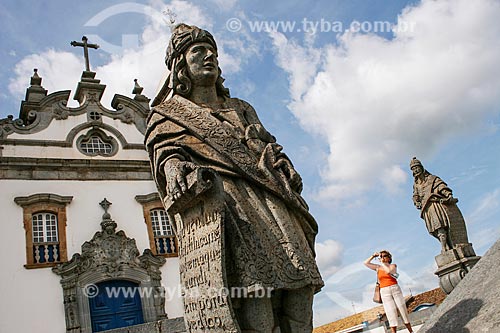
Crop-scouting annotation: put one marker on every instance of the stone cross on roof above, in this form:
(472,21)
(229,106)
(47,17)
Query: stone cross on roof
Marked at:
(86,47)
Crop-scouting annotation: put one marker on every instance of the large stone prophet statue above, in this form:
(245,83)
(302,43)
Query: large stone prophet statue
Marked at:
(444,221)
(268,232)
(438,207)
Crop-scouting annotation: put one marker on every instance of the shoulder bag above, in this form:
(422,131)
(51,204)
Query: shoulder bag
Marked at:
(376,295)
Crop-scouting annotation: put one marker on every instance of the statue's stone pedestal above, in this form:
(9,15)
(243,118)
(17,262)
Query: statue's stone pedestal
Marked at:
(454,264)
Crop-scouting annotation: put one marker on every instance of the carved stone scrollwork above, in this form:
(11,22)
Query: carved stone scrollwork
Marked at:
(60,114)
(109,255)
(37,114)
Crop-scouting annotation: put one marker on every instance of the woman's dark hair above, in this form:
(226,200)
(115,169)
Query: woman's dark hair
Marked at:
(388,255)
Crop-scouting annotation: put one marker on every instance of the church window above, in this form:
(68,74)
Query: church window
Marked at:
(160,224)
(163,233)
(96,142)
(44,219)
(95,146)
(45,240)
(162,238)
(93,115)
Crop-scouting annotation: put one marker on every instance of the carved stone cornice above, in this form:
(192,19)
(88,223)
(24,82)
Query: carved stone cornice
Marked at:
(38,109)
(146,198)
(73,169)
(43,197)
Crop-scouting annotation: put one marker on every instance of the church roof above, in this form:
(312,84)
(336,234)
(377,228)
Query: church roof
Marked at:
(51,140)
(435,296)
(39,108)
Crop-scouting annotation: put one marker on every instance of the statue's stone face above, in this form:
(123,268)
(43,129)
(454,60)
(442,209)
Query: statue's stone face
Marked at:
(202,64)
(417,170)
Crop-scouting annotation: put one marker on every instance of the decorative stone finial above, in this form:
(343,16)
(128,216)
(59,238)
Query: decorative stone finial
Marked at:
(35,79)
(34,94)
(137,88)
(138,94)
(106,217)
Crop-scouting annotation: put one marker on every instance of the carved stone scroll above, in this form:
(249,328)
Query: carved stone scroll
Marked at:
(199,217)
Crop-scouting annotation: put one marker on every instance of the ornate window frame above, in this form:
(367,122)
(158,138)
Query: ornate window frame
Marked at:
(151,202)
(106,139)
(44,203)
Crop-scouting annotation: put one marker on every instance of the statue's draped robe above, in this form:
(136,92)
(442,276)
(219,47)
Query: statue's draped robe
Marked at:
(269,231)
(437,215)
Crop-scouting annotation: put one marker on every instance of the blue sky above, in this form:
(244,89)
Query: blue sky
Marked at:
(351,107)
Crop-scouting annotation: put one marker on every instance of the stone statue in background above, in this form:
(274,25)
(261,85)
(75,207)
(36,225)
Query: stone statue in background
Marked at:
(215,164)
(444,221)
(438,207)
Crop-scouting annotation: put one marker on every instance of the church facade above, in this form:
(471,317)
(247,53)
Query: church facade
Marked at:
(89,246)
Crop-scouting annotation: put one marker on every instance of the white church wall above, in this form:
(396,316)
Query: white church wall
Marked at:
(57,129)
(35,295)
(132,136)
(172,283)
(32,299)
(70,152)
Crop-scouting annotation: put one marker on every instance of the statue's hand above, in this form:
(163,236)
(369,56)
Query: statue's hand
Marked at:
(175,174)
(448,200)
(293,177)
(296,182)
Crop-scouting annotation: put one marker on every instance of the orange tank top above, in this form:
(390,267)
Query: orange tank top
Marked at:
(385,279)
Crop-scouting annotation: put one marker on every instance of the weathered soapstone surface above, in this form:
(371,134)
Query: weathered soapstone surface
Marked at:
(234,198)
(207,305)
(444,221)
(474,305)
(175,325)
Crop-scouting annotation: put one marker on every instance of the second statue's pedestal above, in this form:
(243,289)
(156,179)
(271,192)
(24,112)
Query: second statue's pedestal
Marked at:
(454,264)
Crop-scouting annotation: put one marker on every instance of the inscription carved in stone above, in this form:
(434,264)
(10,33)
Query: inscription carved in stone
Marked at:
(207,306)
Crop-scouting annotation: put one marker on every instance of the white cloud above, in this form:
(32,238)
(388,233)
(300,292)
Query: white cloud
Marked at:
(62,70)
(393,177)
(302,62)
(186,12)
(225,5)
(379,102)
(484,238)
(420,282)
(481,222)
(350,289)
(486,207)
(328,256)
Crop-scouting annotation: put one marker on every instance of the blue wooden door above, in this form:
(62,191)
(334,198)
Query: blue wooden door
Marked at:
(118,304)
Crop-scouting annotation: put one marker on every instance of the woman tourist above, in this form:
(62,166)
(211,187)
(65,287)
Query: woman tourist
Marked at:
(390,292)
